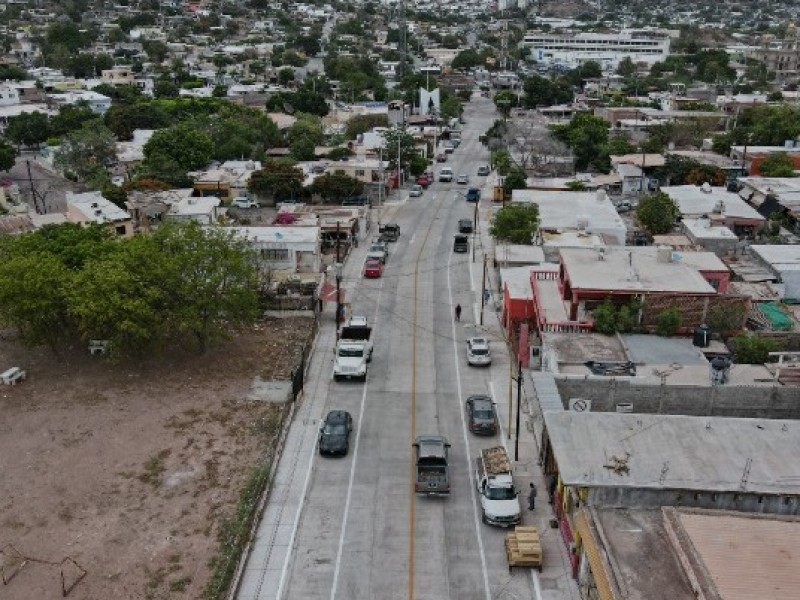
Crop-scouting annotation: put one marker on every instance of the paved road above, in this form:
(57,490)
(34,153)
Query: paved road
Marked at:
(352,528)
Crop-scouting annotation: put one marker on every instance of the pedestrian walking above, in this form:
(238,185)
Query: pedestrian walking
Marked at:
(532,497)
(458,312)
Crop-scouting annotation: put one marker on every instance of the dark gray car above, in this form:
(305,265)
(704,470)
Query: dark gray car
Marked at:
(334,435)
(481,415)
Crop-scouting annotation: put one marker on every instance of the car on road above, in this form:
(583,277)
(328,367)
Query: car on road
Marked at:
(449,148)
(423,180)
(624,206)
(416,191)
(446,174)
(465,226)
(334,435)
(463,179)
(244,202)
(378,251)
(373,268)
(461,243)
(481,415)
(473,195)
(484,170)
(478,352)
(441,157)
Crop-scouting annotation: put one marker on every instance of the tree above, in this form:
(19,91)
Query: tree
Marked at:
(587,136)
(362,123)
(164,88)
(531,144)
(336,186)
(668,321)
(657,213)
(626,68)
(308,128)
(504,101)
(280,179)
(8,155)
(752,349)
(173,151)
(157,51)
(28,129)
(605,318)
(302,149)
(286,77)
(70,117)
(777,164)
(399,143)
(515,180)
(516,223)
(87,152)
(540,91)
(467,59)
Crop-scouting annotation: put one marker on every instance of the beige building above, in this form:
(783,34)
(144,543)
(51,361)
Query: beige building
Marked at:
(781,56)
(91,207)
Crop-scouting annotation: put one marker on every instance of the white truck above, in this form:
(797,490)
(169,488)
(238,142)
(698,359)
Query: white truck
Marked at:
(353,350)
(499,498)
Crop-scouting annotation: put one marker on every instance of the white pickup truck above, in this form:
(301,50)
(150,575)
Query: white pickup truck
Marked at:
(498,496)
(353,350)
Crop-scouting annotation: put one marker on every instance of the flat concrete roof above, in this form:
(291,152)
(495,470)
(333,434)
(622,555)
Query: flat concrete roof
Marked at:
(572,239)
(631,269)
(202,205)
(745,556)
(780,257)
(518,282)
(702,261)
(563,210)
(550,300)
(702,229)
(692,200)
(279,234)
(518,254)
(676,451)
(577,348)
(640,554)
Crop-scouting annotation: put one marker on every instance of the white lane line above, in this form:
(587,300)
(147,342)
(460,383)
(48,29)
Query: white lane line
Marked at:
(472,484)
(537,589)
(340,548)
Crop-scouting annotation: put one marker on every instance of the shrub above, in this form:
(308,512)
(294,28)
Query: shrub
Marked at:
(753,349)
(668,322)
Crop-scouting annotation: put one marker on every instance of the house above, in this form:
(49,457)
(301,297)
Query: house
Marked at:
(784,262)
(204,210)
(228,180)
(720,206)
(91,207)
(295,249)
(715,238)
(589,212)
(771,195)
(98,103)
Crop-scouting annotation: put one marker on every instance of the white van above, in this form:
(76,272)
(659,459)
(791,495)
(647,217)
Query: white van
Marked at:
(446,174)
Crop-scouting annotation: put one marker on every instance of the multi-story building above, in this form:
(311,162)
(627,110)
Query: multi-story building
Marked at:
(607,49)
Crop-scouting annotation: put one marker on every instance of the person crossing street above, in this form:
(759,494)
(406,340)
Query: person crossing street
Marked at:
(458,312)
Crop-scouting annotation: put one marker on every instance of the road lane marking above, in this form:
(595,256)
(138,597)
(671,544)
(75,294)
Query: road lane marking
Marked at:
(537,589)
(338,563)
(470,475)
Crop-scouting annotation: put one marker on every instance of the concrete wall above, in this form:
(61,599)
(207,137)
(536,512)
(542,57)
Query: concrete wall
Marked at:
(739,501)
(765,402)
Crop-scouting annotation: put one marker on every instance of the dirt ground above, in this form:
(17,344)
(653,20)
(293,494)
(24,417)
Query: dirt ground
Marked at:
(127,469)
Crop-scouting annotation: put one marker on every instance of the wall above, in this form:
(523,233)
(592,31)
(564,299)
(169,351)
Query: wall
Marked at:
(695,310)
(765,402)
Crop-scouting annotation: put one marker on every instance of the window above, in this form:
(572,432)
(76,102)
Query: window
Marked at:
(120,229)
(359,172)
(275,254)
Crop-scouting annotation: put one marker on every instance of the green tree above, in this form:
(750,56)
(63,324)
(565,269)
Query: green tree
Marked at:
(69,118)
(540,91)
(516,223)
(336,186)
(362,123)
(399,143)
(174,151)
(157,51)
(302,149)
(164,88)
(28,129)
(777,164)
(605,318)
(286,77)
(467,59)
(515,180)
(308,128)
(587,137)
(87,152)
(505,101)
(626,68)
(8,155)
(668,321)
(281,179)
(501,160)
(657,213)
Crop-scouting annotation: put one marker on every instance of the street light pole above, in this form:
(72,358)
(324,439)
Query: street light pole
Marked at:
(338,283)
(483,288)
(475,228)
(519,402)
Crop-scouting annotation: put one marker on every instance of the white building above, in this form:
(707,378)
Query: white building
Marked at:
(204,210)
(607,49)
(92,207)
(281,248)
(97,102)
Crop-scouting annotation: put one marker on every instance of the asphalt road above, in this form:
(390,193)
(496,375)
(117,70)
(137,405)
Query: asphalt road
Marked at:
(352,528)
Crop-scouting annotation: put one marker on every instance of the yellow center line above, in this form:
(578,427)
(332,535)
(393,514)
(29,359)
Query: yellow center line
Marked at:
(412,490)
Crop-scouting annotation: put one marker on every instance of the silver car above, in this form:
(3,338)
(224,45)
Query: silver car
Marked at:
(478,352)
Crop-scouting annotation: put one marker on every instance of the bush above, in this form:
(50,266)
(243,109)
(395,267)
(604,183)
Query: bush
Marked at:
(753,349)
(605,318)
(668,322)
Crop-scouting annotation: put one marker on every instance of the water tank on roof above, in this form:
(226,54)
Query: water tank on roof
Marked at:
(720,370)
(702,336)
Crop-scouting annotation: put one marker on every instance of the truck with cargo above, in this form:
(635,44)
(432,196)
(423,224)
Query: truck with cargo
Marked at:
(353,351)
(499,497)
(432,470)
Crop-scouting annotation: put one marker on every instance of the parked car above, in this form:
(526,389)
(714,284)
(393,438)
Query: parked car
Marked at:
(334,435)
(461,243)
(473,195)
(624,206)
(484,170)
(423,180)
(478,352)
(244,202)
(378,251)
(463,179)
(449,148)
(373,268)
(481,415)
(465,226)
(416,191)
(441,157)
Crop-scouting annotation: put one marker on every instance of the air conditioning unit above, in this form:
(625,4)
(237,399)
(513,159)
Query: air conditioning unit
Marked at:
(624,407)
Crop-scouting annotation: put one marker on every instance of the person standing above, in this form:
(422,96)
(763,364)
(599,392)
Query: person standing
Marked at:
(458,312)
(532,497)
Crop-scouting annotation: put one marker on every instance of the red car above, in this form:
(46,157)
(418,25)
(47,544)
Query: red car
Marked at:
(373,268)
(423,181)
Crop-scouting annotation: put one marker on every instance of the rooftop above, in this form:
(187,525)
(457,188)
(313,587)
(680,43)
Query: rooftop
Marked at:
(194,206)
(632,269)
(96,208)
(782,257)
(702,229)
(279,235)
(517,253)
(721,454)
(693,200)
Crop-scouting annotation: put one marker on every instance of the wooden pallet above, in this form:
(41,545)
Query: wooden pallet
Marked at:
(524,548)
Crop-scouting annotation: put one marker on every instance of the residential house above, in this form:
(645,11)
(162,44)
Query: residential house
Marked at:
(719,205)
(91,207)
(98,103)
(226,181)
(784,262)
(204,210)
(295,249)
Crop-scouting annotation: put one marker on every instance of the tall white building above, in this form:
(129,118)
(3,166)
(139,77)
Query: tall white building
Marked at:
(607,49)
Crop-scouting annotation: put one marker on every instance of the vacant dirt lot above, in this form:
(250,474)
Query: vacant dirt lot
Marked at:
(128,468)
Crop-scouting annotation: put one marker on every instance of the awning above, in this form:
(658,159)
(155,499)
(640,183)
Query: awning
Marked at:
(596,564)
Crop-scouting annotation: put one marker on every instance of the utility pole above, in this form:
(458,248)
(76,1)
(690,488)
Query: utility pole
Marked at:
(338,283)
(34,195)
(475,228)
(483,287)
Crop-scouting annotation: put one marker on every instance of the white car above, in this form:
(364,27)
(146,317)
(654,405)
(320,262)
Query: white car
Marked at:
(357,321)
(415,191)
(463,179)
(243,202)
(478,352)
